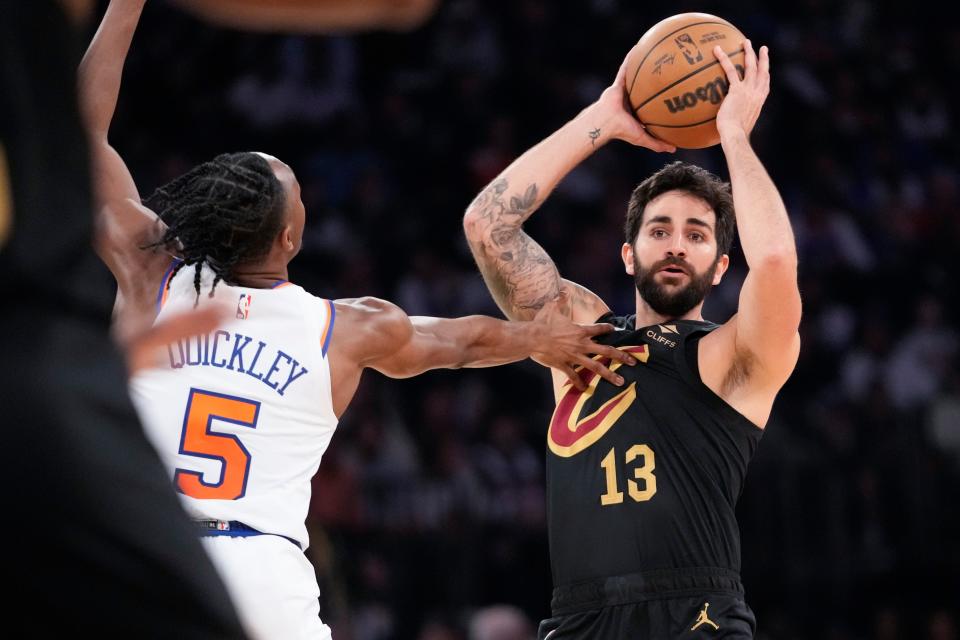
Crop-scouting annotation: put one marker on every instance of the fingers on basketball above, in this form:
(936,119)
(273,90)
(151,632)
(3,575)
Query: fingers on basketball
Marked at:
(749,60)
(727,65)
(764,65)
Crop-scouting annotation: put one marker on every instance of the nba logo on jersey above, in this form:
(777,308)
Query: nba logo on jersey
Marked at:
(243,307)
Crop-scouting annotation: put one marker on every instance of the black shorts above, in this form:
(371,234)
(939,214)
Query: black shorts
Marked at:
(655,605)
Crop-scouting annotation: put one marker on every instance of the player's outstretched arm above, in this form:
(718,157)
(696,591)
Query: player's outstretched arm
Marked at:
(123,224)
(314,16)
(520,275)
(765,339)
(401,346)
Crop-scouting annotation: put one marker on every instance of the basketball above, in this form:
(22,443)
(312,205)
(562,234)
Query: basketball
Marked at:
(674,82)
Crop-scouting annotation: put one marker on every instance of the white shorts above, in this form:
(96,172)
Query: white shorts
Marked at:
(272,584)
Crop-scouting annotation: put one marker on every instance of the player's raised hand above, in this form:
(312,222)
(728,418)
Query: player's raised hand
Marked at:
(745,97)
(567,346)
(622,124)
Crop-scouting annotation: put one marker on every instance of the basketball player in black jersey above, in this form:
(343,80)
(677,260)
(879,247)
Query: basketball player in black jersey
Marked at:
(643,479)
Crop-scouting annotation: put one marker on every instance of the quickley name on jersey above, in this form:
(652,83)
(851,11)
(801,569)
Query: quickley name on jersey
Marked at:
(246,355)
(646,476)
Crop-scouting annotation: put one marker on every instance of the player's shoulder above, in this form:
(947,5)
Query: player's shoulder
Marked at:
(370,322)
(369,310)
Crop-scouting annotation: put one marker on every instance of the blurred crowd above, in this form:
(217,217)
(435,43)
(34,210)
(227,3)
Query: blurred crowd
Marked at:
(429,506)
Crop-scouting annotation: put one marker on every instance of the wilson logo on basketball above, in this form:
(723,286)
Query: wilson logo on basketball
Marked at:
(712,92)
(570,434)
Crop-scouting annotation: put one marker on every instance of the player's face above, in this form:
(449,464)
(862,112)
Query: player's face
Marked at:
(674,260)
(295,213)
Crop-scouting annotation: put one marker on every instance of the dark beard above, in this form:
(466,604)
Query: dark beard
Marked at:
(672,305)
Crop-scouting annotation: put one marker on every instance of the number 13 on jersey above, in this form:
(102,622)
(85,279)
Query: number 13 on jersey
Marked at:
(199,440)
(642,472)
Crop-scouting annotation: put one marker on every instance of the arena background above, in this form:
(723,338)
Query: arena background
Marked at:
(429,504)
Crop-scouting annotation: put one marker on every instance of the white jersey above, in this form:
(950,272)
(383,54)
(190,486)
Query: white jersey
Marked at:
(241,417)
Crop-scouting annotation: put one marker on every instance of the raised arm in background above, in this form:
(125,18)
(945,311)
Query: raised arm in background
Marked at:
(124,225)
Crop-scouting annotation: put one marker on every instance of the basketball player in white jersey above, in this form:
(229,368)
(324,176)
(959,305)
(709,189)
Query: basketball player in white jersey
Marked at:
(242,415)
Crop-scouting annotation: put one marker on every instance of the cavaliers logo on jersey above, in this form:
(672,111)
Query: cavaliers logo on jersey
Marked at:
(570,434)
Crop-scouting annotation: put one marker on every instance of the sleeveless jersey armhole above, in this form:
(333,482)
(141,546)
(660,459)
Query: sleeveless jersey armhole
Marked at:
(329,317)
(620,322)
(164,290)
(687,362)
(327,334)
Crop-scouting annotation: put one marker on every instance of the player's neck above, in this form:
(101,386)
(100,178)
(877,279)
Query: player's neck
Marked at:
(264,275)
(646,316)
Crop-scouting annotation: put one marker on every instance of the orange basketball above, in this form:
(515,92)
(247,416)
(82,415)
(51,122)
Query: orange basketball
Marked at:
(675,83)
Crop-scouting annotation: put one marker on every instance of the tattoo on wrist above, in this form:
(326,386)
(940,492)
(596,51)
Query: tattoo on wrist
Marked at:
(594,135)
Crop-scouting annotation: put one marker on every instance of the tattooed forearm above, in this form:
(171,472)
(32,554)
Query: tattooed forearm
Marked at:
(491,204)
(528,276)
(520,274)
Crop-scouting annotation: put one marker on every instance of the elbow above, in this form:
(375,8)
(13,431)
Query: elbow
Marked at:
(776,276)
(781,261)
(472,226)
(97,133)
(779,272)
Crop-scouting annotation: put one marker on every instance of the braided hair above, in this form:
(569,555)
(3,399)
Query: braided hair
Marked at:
(221,213)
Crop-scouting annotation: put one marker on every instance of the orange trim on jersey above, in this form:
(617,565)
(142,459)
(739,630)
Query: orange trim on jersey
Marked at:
(281,284)
(164,290)
(328,328)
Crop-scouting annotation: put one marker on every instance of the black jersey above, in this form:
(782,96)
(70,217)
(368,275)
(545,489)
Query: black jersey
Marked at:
(645,476)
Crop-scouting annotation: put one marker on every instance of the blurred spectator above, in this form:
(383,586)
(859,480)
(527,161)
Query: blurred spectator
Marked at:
(920,361)
(442,630)
(512,474)
(943,626)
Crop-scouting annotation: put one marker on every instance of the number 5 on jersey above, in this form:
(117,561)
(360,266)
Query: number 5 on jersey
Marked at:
(197,439)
